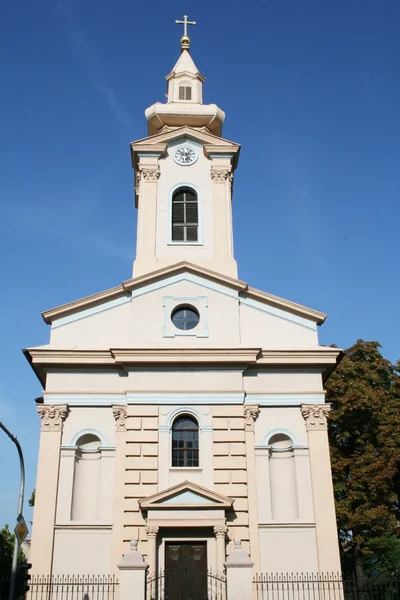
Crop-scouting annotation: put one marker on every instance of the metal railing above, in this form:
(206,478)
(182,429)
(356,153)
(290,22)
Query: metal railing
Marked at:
(216,585)
(156,588)
(323,586)
(73,587)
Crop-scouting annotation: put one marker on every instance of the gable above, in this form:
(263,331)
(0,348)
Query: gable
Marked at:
(142,317)
(187,497)
(186,494)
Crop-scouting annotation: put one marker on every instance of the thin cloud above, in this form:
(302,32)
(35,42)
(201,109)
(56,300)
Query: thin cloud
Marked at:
(84,48)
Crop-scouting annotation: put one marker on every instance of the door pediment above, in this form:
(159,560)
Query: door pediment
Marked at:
(186,495)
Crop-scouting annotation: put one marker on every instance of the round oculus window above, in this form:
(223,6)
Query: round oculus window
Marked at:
(185,317)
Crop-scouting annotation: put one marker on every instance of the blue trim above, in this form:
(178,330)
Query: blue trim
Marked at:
(190,411)
(277,312)
(184,398)
(285,399)
(91,311)
(199,302)
(286,432)
(95,432)
(85,399)
(199,241)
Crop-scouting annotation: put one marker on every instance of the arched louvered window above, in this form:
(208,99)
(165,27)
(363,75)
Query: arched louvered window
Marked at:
(185,442)
(185,215)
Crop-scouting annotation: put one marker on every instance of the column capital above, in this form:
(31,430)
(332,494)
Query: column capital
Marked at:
(150,174)
(52,416)
(220,531)
(316,416)
(151,531)
(220,175)
(120,413)
(251,413)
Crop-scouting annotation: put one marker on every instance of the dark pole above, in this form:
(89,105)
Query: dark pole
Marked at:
(20,506)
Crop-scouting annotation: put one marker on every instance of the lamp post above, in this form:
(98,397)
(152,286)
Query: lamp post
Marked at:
(19,510)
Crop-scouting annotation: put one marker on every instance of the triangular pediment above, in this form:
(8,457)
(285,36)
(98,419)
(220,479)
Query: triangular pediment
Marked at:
(186,495)
(161,277)
(190,132)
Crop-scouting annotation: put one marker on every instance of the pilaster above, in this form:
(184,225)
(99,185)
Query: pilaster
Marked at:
(315,416)
(46,487)
(146,178)
(220,532)
(152,532)
(251,413)
(120,415)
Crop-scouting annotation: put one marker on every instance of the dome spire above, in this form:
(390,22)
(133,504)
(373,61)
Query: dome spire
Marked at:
(185,39)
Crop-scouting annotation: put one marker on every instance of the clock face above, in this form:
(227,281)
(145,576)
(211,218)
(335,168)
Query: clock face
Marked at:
(185,155)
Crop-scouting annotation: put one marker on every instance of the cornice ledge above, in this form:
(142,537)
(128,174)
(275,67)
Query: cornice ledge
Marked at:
(245,356)
(297,309)
(324,356)
(181,267)
(171,134)
(88,302)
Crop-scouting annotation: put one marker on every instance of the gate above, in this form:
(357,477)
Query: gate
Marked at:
(216,586)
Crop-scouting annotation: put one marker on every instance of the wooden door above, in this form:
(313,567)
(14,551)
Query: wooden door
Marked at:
(186,571)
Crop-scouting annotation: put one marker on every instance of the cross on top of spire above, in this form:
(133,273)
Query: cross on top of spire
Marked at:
(185,39)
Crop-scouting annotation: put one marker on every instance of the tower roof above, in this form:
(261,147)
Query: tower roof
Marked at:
(184,64)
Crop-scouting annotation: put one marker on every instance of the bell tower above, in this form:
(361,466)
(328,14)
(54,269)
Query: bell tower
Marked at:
(183,177)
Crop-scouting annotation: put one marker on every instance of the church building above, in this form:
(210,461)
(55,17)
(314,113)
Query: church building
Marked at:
(183,408)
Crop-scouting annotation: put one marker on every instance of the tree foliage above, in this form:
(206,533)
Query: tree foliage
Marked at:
(365,447)
(6,552)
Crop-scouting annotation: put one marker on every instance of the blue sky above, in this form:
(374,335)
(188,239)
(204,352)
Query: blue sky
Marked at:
(311,90)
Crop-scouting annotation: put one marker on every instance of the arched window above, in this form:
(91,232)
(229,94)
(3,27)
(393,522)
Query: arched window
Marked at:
(86,489)
(185,217)
(185,92)
(185,442)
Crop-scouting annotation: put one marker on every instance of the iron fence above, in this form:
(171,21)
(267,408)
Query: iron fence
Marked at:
(157,590)
(155,586)
(73,587)
(323,586)
(216,586)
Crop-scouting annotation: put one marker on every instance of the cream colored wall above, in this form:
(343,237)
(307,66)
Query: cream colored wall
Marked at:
(269,331)
(288,550)
(82,552)
(140,323)
(162,380)
(154,247)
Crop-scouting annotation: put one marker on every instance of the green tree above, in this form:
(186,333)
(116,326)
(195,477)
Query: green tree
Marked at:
(6,552)
(365,449)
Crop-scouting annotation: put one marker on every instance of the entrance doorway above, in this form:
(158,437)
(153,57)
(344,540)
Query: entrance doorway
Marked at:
(186,570)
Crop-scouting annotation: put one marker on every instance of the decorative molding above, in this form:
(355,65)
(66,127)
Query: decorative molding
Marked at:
(120,413)
(282,399)
(170,303)
(96,432)
(220,175)
(89,312)
(52,416)
(149,174)
(316,416)
(220,531)
(138,177)
(276,312)
(251,413)
(151,531)
(138,283)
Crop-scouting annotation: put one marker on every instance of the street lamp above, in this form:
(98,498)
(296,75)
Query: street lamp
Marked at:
(20,519)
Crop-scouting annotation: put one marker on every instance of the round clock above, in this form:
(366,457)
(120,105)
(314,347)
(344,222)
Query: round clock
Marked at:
(185,155)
